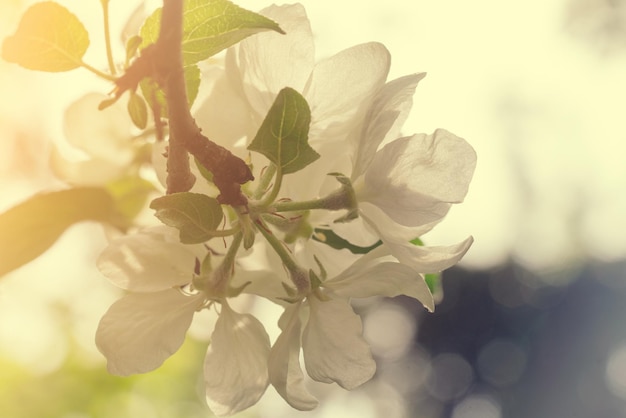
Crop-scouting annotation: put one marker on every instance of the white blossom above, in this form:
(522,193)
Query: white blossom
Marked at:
(104,136)
(141,330)
(330,333)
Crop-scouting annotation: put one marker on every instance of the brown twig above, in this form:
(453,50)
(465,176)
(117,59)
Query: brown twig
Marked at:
(163,62)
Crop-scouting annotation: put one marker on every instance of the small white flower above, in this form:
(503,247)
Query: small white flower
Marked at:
(404,188)
(141,330)
(337,88)
(330,333)
(105,136)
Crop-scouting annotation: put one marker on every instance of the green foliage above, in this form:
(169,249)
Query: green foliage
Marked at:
(83,389)
(31,227)
(195,215)
(433,281)
(330,238)
(132,46)
(209,26)
(49,38)
(130,194)
(155,96)
(283,135)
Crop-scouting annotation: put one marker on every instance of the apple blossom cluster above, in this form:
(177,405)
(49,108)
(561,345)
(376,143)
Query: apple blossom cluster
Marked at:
(332,209)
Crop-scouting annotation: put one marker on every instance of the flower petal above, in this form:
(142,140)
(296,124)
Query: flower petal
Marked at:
(147,261)
(384,118)
(414,179)
(342,86)
(284,363)
(91,172)
(103,134)
(235,367)
(333,345)
(431,259)
(388,279)
(269,61)
(141,330)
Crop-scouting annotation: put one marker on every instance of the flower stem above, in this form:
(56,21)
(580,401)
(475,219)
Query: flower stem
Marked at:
(107,35)
(297,275)
(278,181)
(265,180)
(340,199)
(97,72)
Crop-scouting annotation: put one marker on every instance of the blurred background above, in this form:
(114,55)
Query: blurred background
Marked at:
(532,322)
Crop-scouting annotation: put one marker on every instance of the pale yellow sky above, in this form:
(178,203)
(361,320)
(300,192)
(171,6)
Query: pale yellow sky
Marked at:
(542,109)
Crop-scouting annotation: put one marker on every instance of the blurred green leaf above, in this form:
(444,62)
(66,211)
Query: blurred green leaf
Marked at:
(195,215)
(30,228)
(283,135)
(130,195)
(48,38)
(209,26)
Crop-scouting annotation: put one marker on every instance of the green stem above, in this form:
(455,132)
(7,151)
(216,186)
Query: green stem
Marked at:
(338,200)
(277,245)
(265,180)
(278,181)
(229,258)
(221,277)
(107,35)
(297,275)
(97,72)
(226,232)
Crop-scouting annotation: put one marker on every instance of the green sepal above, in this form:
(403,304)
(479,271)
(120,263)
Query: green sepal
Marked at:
(283,135)
(195,215)
(330,238)
(48,38)
(316,282)
(209,26)
(31,227)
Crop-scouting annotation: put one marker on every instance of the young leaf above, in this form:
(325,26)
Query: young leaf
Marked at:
(132,46)
(31,227)
(138,110)
(283,135)
(48,38)
(195,215)
(210,26)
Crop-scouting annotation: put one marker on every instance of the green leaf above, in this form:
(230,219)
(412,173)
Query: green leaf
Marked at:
(132,46)
(130,195)
(330,238)
(417,241)
(210,26)
(48,38)
(195,215)
(283,135)
(30,228)
(433,281)
(138,110)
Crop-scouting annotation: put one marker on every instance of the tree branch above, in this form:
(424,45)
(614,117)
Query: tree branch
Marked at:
(163,62)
